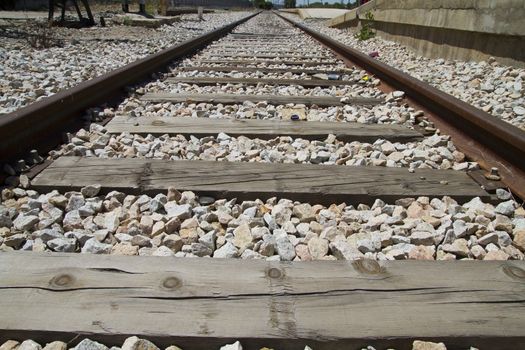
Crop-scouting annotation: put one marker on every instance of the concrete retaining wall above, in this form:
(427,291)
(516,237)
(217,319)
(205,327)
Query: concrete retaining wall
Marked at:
(311,12)
(452,29)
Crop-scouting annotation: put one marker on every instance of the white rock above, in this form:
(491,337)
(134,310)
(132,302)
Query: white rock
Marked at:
(88,344)
(235,346)
(182,212)
(90,191)
(29,345)
(228,250)
(23,222)
(95,247)
(283,246)
(65,245)
(135,343)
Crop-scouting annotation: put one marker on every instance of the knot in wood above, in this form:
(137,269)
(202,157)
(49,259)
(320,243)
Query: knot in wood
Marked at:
(158,123)
(171,283)
(514,271)
(62,280)
(368,266)
(274,273)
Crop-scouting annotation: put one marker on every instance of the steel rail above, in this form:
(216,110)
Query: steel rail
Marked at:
(40,125)
(482,137)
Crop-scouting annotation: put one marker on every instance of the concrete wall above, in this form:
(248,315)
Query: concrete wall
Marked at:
(452,29)
(322,13)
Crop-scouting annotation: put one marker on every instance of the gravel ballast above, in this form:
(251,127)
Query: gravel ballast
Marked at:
(135,343)
(185,225)
(29,74)
(488,85)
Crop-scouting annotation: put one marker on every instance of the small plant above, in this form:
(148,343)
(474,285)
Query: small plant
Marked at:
(366,31)
(127,21)
(40,35)
(152,7)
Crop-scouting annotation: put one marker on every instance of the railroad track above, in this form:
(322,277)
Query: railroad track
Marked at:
(261,145)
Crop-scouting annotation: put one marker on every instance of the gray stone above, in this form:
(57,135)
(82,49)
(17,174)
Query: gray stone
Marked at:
(368,245)
(174,242)
(228,250)
(235,346)
(95,247)
(504,239)
(200,249)
(398,94)
(503,195)
(250,254)
(56,345)
(460,228)
(242,237)
(267,248)
(47,234)
(283,246)
(281,213)
(342,250)
(111,221)
(426,345)
(135,343)
(29,345)
(519,110)
(72,220)
(488,238)
(422,238)
(90,191)
(181,212)
(209,239)
(160,251)
(64,245)
(88,344)
(459,248)
(270,221)
(304,212)
(23,222)
(75,201)
(5,221)
(81,236)
(398,251)
(15,241)
(317,247)
(28,245)
(141,241)
(101,235)
(9,345)
(505,208)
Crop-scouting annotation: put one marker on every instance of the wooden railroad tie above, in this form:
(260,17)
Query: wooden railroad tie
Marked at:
(231,68)
(255,81)
(204,303)
(276,56)
(322,101)
(324,184)
(262,51)
(263,129)
(299,62)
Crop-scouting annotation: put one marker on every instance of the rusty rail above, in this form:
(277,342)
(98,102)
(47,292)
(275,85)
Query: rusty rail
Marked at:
(40,125)
(482,137)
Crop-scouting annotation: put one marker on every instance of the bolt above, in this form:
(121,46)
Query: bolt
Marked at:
(34,157)
(493,175)
(21,166)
